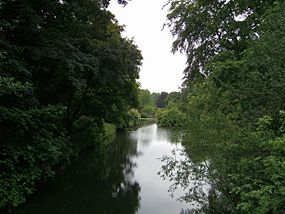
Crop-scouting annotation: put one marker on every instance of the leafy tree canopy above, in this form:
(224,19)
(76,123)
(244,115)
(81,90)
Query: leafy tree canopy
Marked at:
(161,100)
(64,68)
(203,28)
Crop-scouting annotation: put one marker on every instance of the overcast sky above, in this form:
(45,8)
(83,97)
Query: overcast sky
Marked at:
(161,70)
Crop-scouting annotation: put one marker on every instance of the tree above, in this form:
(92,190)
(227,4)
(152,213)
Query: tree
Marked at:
(236,119)
(60,62)
(154,96)
(173,98)
(161,100)
(145,98)
(204,28)
(73,59)
(254,84)
(107,2)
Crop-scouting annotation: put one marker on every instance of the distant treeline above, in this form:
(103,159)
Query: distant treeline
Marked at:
(152,103)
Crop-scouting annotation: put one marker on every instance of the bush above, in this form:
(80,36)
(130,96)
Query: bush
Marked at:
(148,111)
(133,118)
(35,144)
(172,117)
(110,132)
(87,132)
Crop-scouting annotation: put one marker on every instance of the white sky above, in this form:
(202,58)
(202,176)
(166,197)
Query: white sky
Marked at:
(144,19)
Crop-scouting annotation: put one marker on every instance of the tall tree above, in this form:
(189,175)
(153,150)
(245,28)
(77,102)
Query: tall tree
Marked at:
(203,28)
(161,100)
(59,60)
(145,98)
(74,54)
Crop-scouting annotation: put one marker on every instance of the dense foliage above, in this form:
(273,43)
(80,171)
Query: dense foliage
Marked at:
(204,28)
(134,118)
(65,70)
(149,103)
(172,114)
(235,112)
(145,98)
(171,117)
(161,100)
(147,106)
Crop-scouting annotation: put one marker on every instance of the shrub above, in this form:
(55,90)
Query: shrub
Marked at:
(88,132)
(30,152)
(172,117)
(133,118)
(110,132)
(148,111)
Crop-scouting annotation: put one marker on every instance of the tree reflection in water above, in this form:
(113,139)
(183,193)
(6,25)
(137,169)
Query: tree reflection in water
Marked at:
(199,169)
(101,181)
(189,176)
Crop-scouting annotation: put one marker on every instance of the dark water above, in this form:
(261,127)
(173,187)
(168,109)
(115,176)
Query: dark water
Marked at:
(121,178)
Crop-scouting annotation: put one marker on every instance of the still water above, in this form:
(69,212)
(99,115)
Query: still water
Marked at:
(121,178)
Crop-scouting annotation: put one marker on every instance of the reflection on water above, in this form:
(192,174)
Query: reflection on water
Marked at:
(122,178)
(152,134)
(189,176)
(99,182)
(153,143)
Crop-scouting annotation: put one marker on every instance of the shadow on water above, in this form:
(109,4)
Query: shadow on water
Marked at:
(99,182)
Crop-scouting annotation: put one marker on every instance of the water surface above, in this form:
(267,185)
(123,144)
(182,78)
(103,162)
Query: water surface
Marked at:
(121,178)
